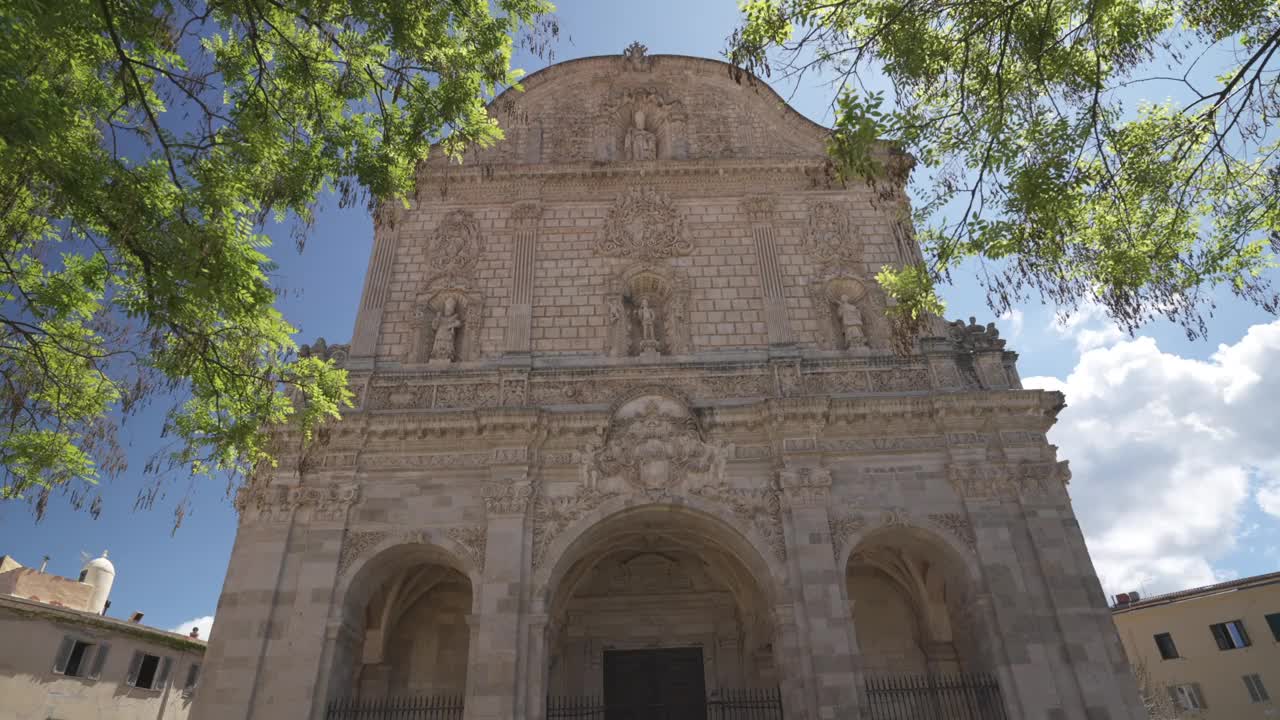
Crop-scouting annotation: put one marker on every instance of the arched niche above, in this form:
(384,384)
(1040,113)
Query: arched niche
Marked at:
(912,604)
(665,293)
(404,625)
(829,296)
(447,318)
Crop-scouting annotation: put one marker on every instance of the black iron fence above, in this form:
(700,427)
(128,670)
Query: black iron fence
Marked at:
(421,707)
(746,704)
(962,696)
(725,704)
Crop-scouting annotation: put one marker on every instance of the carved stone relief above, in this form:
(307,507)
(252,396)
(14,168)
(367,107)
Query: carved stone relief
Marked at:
(803,486)
(509,497)
(276,503)
(654,444)
(552,515)
(643,225)
(1008,479)
(850,313)
(831,240)
(456,248)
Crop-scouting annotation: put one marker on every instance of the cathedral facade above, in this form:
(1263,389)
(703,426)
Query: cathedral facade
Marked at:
(631,431)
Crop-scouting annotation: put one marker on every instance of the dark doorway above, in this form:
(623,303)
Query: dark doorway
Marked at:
(664,684)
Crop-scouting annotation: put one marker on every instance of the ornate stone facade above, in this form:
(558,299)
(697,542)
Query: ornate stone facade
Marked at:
(624,382)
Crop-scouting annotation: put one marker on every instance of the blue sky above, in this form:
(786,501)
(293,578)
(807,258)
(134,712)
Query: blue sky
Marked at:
(1170,440)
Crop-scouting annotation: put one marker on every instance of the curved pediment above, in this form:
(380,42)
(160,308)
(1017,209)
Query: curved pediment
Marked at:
(647,109)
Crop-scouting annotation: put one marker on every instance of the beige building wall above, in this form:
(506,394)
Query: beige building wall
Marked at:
(1215,675)
(32,639)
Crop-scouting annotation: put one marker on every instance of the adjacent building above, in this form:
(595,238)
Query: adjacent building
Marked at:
(1213,651)
(632,439)
(62,659)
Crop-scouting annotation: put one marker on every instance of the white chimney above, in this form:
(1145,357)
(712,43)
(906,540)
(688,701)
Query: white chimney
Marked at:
(101,574)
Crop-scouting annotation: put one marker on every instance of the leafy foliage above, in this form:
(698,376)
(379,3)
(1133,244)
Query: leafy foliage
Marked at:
(1016,109)
(143,146)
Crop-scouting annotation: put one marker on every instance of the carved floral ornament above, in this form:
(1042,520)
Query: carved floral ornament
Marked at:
(804,486)
(999,480)
(643,225)
(357,543)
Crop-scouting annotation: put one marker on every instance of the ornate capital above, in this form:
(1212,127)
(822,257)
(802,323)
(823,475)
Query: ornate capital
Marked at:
(760,208)
(805,486)
(508,497)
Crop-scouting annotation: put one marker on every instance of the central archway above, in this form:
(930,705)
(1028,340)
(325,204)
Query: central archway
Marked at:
(663,602)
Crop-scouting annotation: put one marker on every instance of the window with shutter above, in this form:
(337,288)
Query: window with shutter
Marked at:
(162,678)
(1257,692)
(151,672)
(135,665)
(99,660)
(63,654)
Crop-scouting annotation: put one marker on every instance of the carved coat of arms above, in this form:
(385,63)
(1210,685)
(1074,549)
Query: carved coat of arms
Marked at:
(644,225)
(654,444)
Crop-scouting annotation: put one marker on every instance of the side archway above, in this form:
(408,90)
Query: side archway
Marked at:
(911,596)
(402,618)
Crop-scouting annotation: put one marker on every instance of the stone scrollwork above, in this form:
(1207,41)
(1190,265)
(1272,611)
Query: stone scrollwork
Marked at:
(552,515)
(805,486)
(959,526)
(644,225)
(843,527)
(473,540)
(356,543)
(760,507)
(654,443)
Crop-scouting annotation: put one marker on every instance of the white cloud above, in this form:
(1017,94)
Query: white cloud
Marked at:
(1012,321)
(1088,326)
(204,623)
(1167,452)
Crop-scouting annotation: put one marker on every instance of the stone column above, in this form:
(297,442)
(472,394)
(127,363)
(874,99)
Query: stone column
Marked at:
(525,218)
(794,677)
(760,211)
(494,666)
(377,282)
(806,489)
(534,690)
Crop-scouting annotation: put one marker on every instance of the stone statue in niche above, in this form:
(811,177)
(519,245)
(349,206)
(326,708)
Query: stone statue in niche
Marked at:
(442,344)
(850,321)
(641,144)
(648,333)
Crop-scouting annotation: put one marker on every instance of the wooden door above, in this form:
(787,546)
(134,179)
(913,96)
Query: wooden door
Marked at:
(659,684)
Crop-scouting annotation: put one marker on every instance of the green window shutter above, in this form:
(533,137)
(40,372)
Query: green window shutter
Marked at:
(99,660)
(64,654)
(166,663)
(132,678)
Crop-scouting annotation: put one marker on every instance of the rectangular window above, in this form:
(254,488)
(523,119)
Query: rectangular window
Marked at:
(1230,635)
(73,657)
(149,672)
(1273,621)
(1164,642)
(1188,697)
(1257,693)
